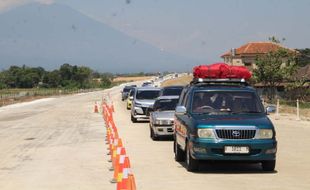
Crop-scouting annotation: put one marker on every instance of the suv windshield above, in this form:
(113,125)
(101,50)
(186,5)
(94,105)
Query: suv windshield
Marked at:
(147,94)
(172,91)
(226,102)
(165,104)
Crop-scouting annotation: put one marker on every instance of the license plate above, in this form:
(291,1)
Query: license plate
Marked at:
(236,149)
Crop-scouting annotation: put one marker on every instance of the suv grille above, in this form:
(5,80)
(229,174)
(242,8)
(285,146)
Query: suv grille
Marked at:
(235,133)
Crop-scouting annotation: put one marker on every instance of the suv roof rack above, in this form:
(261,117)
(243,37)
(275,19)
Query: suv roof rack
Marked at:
(196,81)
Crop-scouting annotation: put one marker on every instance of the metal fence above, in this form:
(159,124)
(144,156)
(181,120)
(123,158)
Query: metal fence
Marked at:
(297,108)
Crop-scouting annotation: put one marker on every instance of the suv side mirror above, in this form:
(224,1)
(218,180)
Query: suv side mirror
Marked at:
(180,110)
(271,109)
(131,98)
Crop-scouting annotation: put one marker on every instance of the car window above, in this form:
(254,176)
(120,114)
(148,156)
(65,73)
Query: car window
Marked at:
(126,90)
(172,91)
(147,94)
(165,104)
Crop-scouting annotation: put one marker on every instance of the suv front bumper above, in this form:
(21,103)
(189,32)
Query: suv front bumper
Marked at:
(140,113)
(162,130)
(260,150)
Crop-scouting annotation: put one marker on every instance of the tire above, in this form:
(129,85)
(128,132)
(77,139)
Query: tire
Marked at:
(269,165)
(134,120)
(179,154)
(191,164)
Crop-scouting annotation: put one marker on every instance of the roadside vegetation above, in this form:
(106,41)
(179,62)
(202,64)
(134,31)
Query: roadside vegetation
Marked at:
(19,84)
(281,69)
(67,77)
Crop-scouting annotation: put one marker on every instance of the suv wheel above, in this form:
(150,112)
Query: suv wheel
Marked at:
(269,165)
(179,154)
(133,119)
(191,164)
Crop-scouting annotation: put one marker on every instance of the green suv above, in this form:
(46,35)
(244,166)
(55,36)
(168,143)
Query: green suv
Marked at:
(223,119)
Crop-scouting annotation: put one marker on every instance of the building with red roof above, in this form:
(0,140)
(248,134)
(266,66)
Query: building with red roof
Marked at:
(246,54)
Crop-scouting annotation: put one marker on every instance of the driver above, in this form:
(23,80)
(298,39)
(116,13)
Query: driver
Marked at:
(202,101)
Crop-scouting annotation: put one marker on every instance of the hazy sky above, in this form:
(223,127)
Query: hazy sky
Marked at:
(201,29)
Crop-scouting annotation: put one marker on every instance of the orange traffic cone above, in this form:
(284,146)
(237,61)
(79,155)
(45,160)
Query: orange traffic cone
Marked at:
(112,107)
(131,184)
(117,143)
(123,181)
(96,110)
(119,165)
(108,136)
(117,150)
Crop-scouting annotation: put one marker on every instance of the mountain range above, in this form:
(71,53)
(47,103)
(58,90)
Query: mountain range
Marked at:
(51,35)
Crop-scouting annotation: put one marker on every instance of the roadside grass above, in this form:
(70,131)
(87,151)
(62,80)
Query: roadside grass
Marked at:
(18,95)
(303,112)
(132,79)
(12,96)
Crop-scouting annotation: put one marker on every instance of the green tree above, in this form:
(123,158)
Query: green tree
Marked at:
(275,67)
(66,71)
(2,81)
(82,76)
(12,77)
(52,79)
(304,57)
(105,81)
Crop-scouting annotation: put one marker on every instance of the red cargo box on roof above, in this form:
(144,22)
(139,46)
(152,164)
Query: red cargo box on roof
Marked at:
(220,71)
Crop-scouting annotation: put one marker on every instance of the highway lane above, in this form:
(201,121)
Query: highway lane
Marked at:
(59,144)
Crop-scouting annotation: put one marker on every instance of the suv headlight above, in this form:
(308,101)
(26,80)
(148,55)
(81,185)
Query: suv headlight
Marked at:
(138,105)
(206,133)
(265,134)
(163,122)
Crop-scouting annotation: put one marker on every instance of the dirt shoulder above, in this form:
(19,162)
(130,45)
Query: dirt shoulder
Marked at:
(183,80)
(131,79)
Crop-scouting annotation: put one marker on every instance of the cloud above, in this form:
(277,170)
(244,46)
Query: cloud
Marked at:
(7,4)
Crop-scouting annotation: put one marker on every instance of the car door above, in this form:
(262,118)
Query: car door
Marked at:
(181,124)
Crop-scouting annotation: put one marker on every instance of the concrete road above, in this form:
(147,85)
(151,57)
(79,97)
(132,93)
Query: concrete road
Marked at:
(55,143)
(59,144)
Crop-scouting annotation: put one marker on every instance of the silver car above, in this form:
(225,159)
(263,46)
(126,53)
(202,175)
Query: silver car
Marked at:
(162,116)
(143,99)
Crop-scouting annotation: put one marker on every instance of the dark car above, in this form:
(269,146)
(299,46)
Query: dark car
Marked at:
(223,120)
(171,91)
(146,84)
(125,91)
